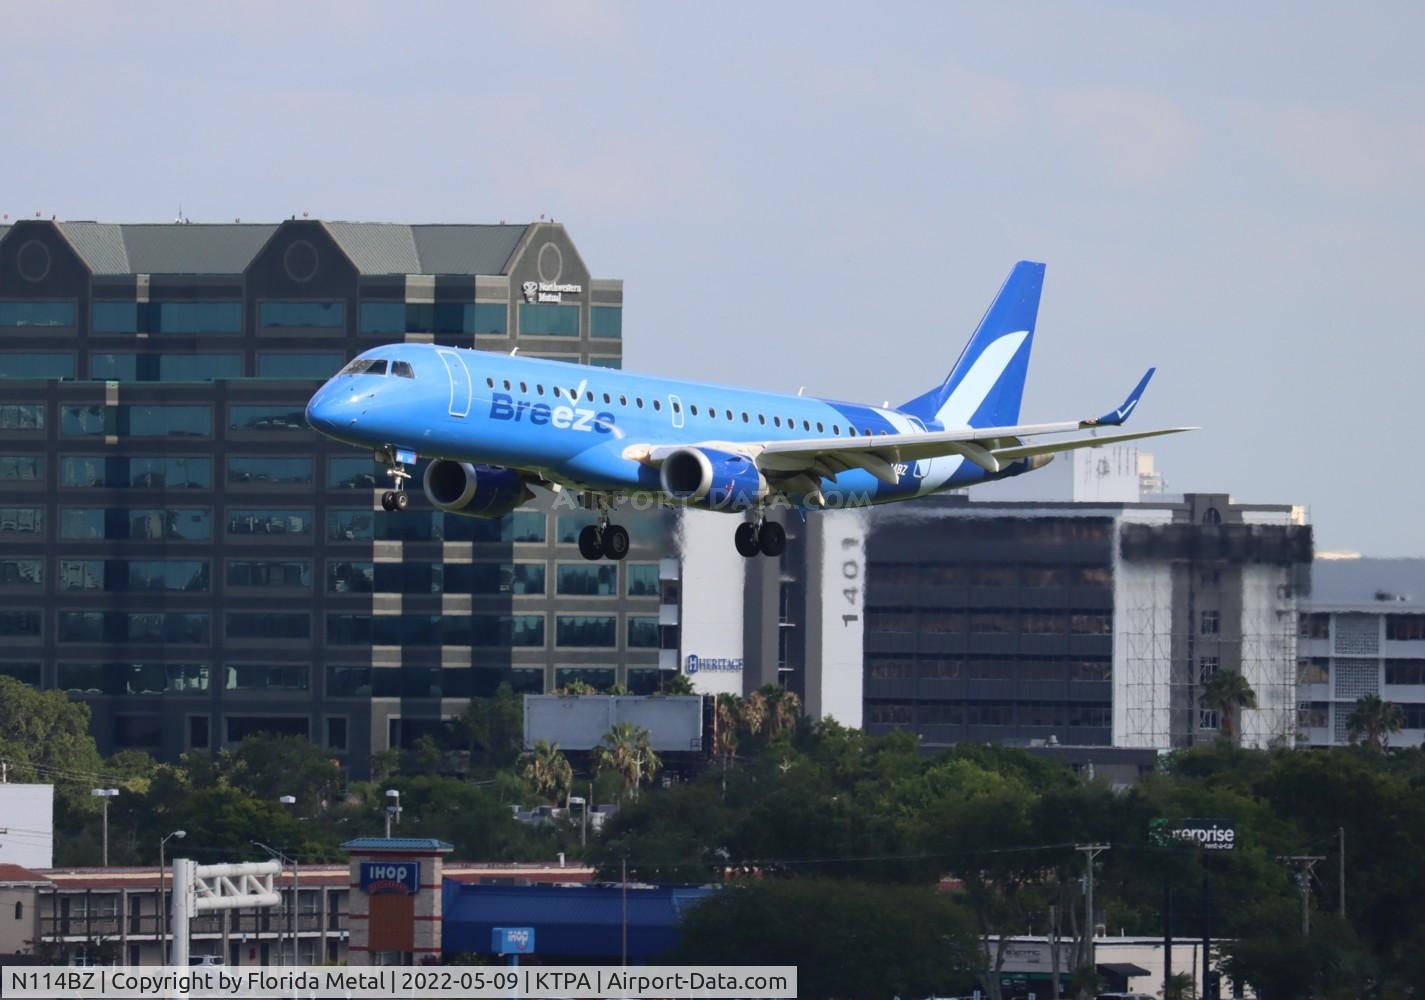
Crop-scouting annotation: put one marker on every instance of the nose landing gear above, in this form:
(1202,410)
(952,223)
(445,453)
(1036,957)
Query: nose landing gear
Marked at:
(396,499)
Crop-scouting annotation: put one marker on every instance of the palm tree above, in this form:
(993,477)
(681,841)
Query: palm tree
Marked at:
(625,750)
(754,712)
(548,770)
(1227,692)
(1179,986)
(1375,719)
(785,708)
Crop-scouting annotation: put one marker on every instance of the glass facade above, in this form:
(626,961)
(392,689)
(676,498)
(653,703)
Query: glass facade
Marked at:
(150,533)
(41,365)
(125,367)
(548,320)
(43,314)
(166,317)
(433,317)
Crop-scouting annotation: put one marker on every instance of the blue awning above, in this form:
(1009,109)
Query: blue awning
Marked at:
(585,920)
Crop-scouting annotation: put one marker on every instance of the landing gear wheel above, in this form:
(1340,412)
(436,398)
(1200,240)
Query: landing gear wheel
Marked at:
(615,541)
(402,501)
(388,500)
(590,546)
(745,538)
(771,538)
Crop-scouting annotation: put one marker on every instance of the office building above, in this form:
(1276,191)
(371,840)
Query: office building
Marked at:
(185,555)
(1362,632)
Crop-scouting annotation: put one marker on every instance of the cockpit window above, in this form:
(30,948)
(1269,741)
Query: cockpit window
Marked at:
(402,369)
(366,366)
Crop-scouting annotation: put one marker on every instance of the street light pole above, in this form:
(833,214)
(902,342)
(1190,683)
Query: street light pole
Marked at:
(393,808)
(289,800)
(104,795)
(277,855)
(162,909)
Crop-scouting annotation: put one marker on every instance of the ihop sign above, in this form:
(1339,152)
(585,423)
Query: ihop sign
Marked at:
(390,876)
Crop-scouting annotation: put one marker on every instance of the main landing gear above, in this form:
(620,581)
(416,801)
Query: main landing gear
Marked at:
(762,537)
(396,499)
(603,539)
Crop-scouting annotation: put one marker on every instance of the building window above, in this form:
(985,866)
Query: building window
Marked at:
(270,471)
(125,626)
(1211,623)
(1402,672)
(1314,715)
(592,631)
(488,318)
(353,474)
(25,573)
(266,677)
(1206,667)
(22,521)
(588,579)
(137,421)
(606,322)
(269,573)
(239,727)
(993,622)
(314,315)
(119,472)
(267,522)
(22,416)
(263,419)
(173,524)
(336,732)
(548,320)
(22,468)
(1043,623)
(315,367)
(48,365)
(1318,626)
(1318,671)
(1207,719)
(495,578)
(45,314)
(269,625)
(167,317)
(164,367)
(1404,628)
(641,579)
(890,621)
(350,577)
(643,632)
(20,624)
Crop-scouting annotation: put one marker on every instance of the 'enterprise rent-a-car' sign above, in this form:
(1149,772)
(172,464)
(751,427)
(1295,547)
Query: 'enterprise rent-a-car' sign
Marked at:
(1209,834)
(391,876)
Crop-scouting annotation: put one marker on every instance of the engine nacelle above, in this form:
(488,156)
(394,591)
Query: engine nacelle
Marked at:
(474,490)
(709,478)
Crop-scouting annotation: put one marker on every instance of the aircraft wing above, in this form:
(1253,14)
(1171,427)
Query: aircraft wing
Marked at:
(991,448)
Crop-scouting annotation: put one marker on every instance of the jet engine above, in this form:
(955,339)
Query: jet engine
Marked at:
(710,478)
(474,490)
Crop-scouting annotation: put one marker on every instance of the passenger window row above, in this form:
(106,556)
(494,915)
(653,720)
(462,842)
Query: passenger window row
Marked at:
(711,412)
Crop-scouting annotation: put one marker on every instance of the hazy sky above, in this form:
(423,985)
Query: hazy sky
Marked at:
(829,195)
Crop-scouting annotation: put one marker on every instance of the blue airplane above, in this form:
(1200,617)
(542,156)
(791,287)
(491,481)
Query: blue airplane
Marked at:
(496,425)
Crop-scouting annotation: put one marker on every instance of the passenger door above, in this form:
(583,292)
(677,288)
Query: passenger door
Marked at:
(460,387)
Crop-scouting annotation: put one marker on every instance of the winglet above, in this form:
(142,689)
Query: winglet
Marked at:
(1116,417)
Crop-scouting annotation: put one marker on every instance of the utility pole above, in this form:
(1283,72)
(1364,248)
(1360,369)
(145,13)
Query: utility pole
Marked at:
(1167,933)
(104,795)
(282,858)
(1302,865)
(1091,851)
(1342,876)
(624,866)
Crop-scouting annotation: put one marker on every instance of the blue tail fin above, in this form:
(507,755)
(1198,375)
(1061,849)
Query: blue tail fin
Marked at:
(987,383)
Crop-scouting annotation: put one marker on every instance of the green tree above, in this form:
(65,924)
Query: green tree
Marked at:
(493,728)
(549,771)
(625,750)
(677,683)
(45,737)
(847,939)
(1227,692)
(268,766)
(1376,719)
(1179,986)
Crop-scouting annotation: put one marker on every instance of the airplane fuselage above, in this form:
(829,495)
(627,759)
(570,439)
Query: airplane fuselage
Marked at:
(577,424)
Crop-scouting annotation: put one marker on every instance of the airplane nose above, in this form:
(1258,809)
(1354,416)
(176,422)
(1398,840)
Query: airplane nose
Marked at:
(321,410)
